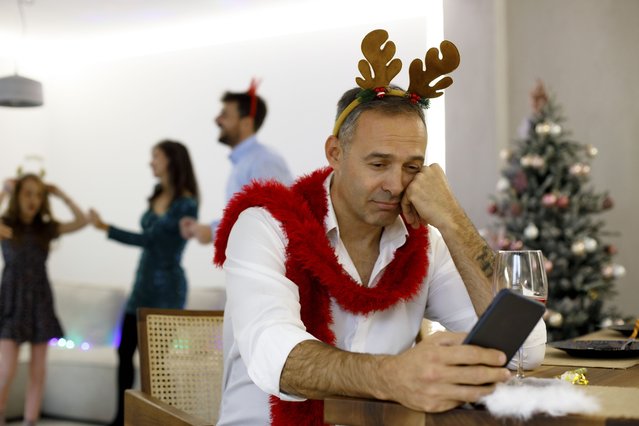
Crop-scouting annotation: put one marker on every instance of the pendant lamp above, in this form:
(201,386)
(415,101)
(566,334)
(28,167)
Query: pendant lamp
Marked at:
(18,91)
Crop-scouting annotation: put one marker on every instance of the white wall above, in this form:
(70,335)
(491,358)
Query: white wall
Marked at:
(474,104)
(100,121)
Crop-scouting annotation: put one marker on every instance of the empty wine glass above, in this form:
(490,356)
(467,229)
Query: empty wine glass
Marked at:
(521,271)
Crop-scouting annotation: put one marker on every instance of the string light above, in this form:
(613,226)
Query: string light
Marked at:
(63,343)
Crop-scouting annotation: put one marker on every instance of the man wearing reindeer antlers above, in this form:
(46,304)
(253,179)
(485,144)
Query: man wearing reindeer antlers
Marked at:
(241,117)
(328,280)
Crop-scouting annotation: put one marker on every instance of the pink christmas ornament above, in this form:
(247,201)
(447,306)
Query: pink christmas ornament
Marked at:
(549,200)
(517,245)
(607,271)
(520,181)
(548,265)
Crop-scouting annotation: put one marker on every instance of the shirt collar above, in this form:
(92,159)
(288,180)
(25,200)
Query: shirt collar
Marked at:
(242,148)
(395,234)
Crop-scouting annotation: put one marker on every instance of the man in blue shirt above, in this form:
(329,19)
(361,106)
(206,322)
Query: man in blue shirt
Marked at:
(241,117)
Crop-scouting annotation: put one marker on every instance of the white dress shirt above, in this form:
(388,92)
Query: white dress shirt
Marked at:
(262,315)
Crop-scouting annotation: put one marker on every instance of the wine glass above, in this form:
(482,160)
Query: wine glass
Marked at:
(521,271)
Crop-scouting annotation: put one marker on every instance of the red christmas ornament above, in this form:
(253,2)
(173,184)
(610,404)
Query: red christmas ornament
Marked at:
(563,201)
(380,92)
(610,249)
(520,181)
(515,209)
(414,98)
(608,203)
(492,208)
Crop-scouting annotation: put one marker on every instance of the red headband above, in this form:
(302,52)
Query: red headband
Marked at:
(252,91)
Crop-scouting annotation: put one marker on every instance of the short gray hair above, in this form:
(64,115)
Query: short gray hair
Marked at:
(389,105)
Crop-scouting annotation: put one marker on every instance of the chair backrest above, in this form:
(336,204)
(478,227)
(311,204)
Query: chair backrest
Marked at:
(181,359)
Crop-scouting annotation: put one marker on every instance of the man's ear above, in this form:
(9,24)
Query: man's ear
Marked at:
(247,124)
(333,151)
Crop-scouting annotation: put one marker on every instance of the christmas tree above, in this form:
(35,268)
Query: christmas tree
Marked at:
(544,202)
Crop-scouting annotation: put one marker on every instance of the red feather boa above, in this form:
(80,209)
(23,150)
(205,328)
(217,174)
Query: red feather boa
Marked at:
(312,264)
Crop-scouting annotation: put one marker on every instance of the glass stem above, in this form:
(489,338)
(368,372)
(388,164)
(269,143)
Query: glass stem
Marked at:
(520,363)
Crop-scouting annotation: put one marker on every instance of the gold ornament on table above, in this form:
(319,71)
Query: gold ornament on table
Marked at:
(379,68)
(576,377)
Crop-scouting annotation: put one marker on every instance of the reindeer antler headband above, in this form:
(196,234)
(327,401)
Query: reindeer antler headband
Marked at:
(379,59)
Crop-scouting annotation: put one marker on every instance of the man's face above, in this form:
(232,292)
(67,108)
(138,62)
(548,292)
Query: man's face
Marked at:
(372,172)
(229,123)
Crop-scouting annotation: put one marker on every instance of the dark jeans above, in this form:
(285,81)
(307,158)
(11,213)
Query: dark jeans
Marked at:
(128,344)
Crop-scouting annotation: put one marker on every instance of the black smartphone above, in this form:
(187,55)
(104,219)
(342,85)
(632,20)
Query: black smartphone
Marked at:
(506,323)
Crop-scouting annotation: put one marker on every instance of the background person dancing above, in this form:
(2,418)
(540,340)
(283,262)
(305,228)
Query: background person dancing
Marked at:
(26,301)
(160,281)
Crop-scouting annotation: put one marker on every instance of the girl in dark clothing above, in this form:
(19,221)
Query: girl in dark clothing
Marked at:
(26,301)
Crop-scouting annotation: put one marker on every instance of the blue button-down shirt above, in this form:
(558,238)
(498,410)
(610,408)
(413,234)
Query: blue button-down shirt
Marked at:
(253,161)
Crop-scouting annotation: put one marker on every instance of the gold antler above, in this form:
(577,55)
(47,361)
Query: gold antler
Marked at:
(379,60)
(420,77)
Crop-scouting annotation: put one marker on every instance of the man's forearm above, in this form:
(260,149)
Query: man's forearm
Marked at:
(473,259)
(315,370)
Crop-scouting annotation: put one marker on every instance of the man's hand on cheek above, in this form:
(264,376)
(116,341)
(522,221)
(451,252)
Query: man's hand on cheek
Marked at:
(428,198)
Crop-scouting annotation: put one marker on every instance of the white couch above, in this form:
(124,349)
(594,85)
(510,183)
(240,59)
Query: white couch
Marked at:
(81,383)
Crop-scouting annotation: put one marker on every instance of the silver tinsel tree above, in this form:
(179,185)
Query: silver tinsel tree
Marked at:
(544,202)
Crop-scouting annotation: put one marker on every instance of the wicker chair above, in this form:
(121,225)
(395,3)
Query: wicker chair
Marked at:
(181,368)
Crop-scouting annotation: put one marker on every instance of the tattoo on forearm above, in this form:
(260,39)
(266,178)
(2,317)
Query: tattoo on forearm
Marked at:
(486,258)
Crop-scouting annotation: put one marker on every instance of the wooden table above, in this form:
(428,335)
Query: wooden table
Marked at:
(362,412)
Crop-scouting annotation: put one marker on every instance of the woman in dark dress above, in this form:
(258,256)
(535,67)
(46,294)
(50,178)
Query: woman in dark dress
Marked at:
(26,301)
(160,281)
